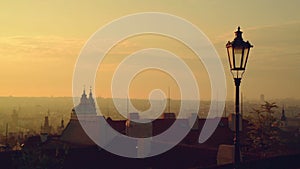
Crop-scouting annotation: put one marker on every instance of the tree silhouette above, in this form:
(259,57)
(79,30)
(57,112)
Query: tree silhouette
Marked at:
(263,134)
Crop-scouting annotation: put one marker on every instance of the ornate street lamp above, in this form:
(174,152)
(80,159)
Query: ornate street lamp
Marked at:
(238,52)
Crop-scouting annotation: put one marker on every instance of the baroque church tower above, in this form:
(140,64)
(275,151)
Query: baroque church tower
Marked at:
(74,133)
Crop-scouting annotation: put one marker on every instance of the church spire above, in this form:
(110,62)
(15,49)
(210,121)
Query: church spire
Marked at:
(87,104)
(83,94)
(91,99)
(91,94)
(83,97)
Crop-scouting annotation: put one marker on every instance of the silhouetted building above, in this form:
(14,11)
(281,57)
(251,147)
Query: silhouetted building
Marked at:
(46,128)
(61,127)
(169,115)
(74,133)
(137,130)
(15,120)
(76,139)
(86,105)
(283,117)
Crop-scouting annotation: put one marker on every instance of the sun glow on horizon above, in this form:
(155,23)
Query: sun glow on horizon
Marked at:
(41,40)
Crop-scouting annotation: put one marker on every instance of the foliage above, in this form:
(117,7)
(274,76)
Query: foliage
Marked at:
(263,134)
(37,158)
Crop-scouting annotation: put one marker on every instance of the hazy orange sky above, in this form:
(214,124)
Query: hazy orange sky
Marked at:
(41,40)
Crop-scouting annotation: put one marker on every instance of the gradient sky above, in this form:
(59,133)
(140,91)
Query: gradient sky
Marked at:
(41,40)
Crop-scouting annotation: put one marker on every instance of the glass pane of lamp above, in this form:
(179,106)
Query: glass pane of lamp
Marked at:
(230,55)
(238,57)
(245,57)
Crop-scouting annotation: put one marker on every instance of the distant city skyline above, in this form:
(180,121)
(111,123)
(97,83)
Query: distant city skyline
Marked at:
(41,40)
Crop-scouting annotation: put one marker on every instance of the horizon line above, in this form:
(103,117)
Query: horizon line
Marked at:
(230,99)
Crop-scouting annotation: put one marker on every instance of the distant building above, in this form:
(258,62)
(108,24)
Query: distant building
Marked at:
(15,120)
(283,117)
(169,115)
(46,128)
(74,133)
(61,127)
(262,98)
(137,130)
(86,105)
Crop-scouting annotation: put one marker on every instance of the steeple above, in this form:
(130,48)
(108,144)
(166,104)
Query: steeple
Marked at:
(283,117)
(83,97)
(62,125)
(61,128)
(46,128)
(91,99)
(83,94)
(90,95)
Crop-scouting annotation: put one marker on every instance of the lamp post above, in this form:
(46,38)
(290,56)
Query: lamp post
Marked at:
(238,52)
